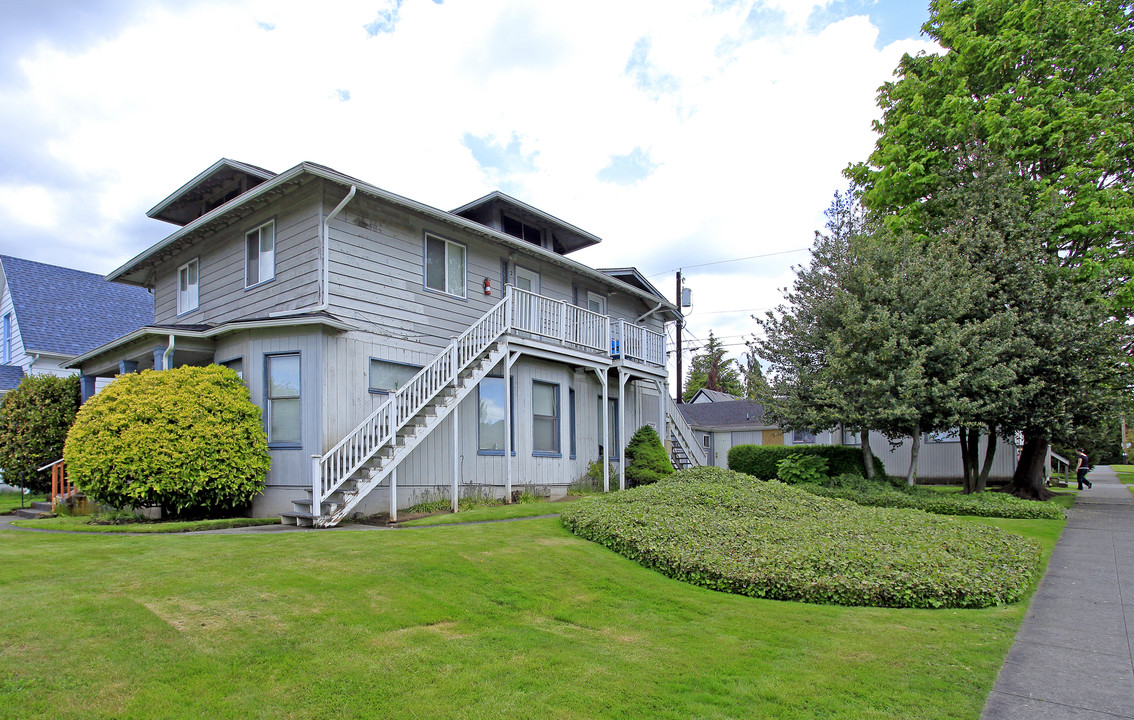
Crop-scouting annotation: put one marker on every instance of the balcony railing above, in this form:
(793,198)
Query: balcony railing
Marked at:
(565,323)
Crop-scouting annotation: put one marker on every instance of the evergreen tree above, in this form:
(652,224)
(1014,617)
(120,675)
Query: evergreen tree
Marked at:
(714,371)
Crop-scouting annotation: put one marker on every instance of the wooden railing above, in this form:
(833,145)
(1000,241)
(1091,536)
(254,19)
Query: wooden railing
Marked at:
(634,342)
(684,433)
(61,486)
(559,320)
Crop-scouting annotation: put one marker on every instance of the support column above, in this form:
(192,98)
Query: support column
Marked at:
(456,455)
(125,367)
(621,437)
(86,387)
(158,353)
(509,358)
(662,394)
(394,495)
(604,455)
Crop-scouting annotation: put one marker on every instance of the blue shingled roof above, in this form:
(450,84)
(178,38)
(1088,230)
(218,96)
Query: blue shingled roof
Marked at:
(10,377)
(65,311)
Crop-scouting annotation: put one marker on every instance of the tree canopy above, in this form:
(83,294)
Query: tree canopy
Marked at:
(712,369)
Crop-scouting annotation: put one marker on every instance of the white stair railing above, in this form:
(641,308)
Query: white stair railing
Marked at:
(346,458)
(684,433)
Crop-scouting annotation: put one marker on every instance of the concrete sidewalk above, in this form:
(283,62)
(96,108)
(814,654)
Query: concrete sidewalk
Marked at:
(1074,655)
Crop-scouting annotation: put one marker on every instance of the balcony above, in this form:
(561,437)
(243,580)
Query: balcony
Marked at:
(561,323)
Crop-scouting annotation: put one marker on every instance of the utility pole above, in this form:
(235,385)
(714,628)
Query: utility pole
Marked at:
(680,322)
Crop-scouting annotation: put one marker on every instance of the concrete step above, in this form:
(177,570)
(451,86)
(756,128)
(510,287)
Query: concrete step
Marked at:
(41,505)
(300,519)
(33,514)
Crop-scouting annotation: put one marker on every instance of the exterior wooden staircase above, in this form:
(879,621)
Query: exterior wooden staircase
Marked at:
(685,451)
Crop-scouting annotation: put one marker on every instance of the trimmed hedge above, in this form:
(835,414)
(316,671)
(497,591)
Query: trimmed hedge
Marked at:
(986,504)
(187,440)
(646,461)
(762,460)
(730,532)
(34,419)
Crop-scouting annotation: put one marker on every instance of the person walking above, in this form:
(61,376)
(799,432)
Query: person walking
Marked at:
(1081,470)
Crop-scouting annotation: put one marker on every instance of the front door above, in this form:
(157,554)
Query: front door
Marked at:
(527,279)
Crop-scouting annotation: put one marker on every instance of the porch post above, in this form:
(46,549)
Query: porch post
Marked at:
(663,393)
(604,456)
(456,456)
(86,388)
(125,367)
(394,495)
(508,419)
(621,440)
(316,487)
(158,353)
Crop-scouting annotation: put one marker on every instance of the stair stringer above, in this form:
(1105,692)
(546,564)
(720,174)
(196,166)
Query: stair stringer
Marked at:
(370,478)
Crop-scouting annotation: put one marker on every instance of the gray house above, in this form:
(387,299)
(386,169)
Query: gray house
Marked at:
(394,347)
(51,314)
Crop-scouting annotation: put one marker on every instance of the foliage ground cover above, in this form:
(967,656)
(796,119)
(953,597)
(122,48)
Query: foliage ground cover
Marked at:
(762,461)
(82,523)
(730,532)
(988,504)
(491,512)
(519,620)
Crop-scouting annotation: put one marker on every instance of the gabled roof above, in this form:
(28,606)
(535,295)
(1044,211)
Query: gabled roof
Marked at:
(222,181)
(66,312)
(631,276)
(713,396)
(567,237)
(734,414)
(10,377)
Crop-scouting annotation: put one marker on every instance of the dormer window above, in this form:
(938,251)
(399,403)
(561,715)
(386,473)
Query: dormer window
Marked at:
(260,254)
(520,229)
(188,284)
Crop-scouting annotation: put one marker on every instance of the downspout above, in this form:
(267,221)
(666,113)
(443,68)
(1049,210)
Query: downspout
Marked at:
(325,270)
(651,312)
(168,352)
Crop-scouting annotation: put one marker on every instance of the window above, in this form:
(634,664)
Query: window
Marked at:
(610,440)
(571,412)
(236,365)
(520,229)
(944,436)
(596,303)
(7,339)
(527,279)
(260,254)
(850,437)
(492,418)
(444,266)
(705,441)
(802,437)
(386,376)
(187,287)
(283,384)
(545,418)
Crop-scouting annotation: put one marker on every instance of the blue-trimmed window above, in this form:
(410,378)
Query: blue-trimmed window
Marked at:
(545,418)
(387,375)
(802,437)
(282,388)
(236,365)
(571,414)
(611,440)
(491,419)
(445,266)
(260,254)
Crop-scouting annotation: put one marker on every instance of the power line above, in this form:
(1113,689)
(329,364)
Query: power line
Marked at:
(722,262)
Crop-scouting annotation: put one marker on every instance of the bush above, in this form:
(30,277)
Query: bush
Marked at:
(646,461)
(187,440)
(985,504)
(734,533)
(591,481)
(761,460)
(34,419)
(799,468)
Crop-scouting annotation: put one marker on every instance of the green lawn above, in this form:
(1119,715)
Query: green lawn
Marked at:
(81,523)
(10,500)
(1125,473)
(490,512)
(518,620)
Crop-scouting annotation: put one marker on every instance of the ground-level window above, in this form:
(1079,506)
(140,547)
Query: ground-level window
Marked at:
(850,437)
(609,440)
(705,440)
(236,365)
(943,436)
(444,266)
(802,437)
(283,390)
(545,418)
(260,254)
(387,376)
(492,418)
(188,284)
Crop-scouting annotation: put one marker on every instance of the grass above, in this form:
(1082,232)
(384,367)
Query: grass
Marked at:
(81,523)
(490,512)
(10,500)
(1125,473)
(517,620)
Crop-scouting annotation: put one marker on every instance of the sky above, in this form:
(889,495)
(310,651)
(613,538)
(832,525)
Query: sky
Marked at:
(685,133)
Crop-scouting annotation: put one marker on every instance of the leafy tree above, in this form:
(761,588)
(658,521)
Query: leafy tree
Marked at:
(714,371)
(756,386)
(188,440)
(1045,84)
(34,419)
(646,461)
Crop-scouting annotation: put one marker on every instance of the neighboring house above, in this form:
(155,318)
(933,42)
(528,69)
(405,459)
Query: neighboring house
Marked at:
(51,314)
(394,347)
(720,421)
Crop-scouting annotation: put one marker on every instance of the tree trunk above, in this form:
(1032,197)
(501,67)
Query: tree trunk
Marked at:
(1028,480)
(989,456)
(867,454)
(967,463)
(911,476)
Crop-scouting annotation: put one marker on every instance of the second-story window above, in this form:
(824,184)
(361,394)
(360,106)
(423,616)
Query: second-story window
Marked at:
(444,266)
(188,284)
(260,254)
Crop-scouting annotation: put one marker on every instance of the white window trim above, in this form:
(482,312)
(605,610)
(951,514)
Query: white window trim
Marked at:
(594,295)
(260,255)
(189,299)
(425,262)
(537,286)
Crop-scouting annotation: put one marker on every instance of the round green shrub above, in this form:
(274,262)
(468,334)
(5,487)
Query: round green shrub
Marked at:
(799,468)
(187,440)
(646,461)
(731,532)
(34,419)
